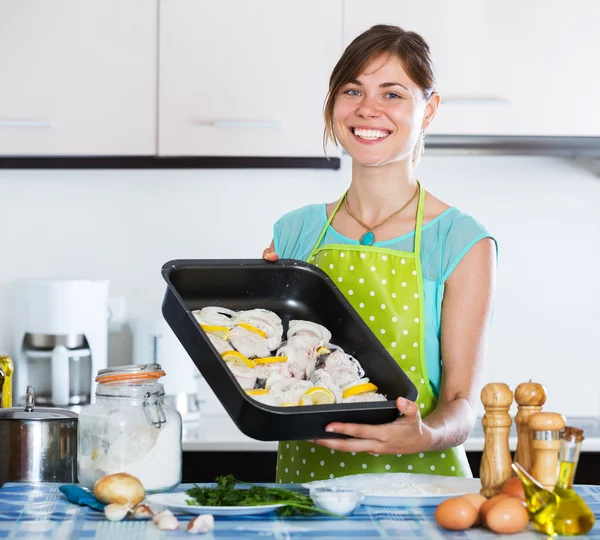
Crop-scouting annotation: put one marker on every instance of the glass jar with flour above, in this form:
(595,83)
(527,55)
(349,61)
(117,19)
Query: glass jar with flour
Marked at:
(130,429)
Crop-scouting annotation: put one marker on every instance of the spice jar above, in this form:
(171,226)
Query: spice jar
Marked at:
(130,429)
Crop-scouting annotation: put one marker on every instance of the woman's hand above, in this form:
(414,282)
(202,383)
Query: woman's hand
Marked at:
(269,253)
(407,435)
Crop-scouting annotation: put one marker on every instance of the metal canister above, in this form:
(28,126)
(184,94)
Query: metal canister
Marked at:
(37,444)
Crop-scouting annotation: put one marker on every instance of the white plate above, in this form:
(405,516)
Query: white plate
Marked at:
(403,489)
(176,503)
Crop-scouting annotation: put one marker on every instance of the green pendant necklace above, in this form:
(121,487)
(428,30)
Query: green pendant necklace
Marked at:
(368,238)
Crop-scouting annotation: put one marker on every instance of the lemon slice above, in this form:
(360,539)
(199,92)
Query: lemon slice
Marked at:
(322,350)
(289,404)
(270,359)
(317,396)
(221,331)
(359,389)
(253,329)
(237,359)
(257,392)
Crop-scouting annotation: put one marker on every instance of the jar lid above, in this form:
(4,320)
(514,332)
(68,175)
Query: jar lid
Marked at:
(135,373)
(29,412)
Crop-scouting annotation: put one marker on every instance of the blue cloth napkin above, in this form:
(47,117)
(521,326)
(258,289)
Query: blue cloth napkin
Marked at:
(80,496)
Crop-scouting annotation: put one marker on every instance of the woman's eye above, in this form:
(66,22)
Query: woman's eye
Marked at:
(392,95)
(352,92)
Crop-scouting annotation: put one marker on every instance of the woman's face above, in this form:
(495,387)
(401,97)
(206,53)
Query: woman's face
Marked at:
(379,117)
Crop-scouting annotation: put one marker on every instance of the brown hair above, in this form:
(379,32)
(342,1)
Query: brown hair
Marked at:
(409,47)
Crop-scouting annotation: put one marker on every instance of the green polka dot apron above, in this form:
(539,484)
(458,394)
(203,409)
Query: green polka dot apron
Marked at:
(385,287)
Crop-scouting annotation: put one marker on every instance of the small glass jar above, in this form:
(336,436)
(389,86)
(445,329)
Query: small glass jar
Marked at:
(129,429)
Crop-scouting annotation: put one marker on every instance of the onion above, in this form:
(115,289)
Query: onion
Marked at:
(120,488)
(216,316)
(312,328)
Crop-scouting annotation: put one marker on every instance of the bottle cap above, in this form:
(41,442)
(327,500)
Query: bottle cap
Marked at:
(572,434)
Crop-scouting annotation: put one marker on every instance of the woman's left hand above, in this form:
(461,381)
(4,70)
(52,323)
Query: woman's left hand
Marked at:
(407,435)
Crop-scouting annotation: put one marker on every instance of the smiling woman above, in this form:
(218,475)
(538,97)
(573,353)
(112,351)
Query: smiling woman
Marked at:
(420,272)
(397,75)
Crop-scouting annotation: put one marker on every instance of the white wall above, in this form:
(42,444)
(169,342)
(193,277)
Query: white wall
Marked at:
(123,225)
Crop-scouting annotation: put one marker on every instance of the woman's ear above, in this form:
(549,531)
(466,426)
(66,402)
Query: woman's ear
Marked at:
(431,110)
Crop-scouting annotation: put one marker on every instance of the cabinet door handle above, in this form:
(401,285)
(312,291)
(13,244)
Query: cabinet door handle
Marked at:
(241,124)
(476,100)
(25,123)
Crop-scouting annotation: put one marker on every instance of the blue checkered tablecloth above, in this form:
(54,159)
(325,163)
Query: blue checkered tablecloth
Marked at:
(32,511)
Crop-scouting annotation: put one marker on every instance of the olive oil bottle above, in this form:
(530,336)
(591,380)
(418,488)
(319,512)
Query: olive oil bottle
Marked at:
(573,516)
(561,511)
(6,373)
(541,503)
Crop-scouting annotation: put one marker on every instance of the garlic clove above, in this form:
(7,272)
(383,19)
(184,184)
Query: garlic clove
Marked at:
(115,512)
(201,524)
(142,511)
(157,517)
(168,523)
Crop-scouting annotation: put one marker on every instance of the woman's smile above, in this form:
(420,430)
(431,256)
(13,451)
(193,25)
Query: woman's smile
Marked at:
(369,135)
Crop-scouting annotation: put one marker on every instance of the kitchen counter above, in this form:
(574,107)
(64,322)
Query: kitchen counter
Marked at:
(40,510)
(220,434)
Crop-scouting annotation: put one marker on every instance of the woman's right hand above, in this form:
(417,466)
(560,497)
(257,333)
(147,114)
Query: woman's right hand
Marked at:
(269,253)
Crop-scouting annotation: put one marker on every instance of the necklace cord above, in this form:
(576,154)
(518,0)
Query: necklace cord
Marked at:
(369,234)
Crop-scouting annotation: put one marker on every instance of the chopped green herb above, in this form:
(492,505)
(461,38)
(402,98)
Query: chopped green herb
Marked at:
(225,493)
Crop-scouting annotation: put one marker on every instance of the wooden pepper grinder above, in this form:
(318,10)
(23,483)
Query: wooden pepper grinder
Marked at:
(496,459)
(545,434)
(530,398)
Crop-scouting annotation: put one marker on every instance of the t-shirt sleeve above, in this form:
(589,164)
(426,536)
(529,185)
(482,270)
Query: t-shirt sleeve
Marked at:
(296,233)
(463,234)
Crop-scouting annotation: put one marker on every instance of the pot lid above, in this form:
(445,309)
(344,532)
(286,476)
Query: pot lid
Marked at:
(29,412)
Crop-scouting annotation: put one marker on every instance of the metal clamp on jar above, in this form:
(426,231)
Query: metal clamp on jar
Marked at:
(130,429)
(37,444)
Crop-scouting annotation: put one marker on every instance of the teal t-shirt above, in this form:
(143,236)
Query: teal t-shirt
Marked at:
(445,241)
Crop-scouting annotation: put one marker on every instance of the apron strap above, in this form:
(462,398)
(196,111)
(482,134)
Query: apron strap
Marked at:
(419,223)
(322,235)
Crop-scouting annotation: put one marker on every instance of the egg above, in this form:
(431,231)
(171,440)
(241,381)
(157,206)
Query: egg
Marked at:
(489,504)
(507,516)
(456,514)
(514,488)
(477,500)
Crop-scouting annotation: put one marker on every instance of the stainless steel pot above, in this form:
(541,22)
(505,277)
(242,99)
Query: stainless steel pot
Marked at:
(37,444)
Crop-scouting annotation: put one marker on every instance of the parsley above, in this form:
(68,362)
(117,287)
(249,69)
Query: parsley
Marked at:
(225,493)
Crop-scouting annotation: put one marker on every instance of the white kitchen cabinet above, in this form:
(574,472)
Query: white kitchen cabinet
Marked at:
(241,78)
(78,77)
(503,68)
(547,52)
(458,35)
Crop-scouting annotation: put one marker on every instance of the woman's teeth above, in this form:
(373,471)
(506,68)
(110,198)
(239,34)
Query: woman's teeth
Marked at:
(370,134)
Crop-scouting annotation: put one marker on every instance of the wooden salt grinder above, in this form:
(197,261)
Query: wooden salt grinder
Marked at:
(530,398)
(545,430)
(496,459)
